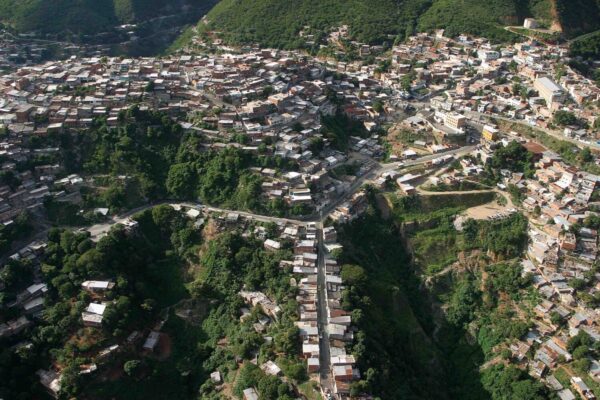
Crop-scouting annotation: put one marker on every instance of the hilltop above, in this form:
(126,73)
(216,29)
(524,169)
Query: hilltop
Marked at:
(279,24)
(86,16)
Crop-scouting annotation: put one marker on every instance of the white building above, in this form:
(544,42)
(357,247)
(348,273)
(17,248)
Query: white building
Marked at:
(549,90)
(530,23)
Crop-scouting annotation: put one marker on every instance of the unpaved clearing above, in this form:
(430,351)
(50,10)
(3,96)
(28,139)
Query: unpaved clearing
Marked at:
(490,210)
(486,211)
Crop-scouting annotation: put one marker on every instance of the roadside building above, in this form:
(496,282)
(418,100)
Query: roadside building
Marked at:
(549,90)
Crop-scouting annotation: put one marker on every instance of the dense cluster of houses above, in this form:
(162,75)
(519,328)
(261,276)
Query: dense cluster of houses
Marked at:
(483,77)
(340,331)
(275,101)
(30,301)
(322,323)
(250,100)
(21,49)
(561,251)
(468,79)
(561,260)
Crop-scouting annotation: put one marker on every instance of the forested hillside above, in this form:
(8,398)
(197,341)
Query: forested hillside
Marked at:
(278,23)
(482,18)
(578,16)
(84,16)
(587,47)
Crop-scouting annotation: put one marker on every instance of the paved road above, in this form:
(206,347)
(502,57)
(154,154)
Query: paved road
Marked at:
(99,230)
(354,187)
(460,151)
(102,229)
(376,171)
(256,217)
(324,345)
(556,134)
(477,116)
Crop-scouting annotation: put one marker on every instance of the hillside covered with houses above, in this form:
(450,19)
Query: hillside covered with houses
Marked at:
(414,219)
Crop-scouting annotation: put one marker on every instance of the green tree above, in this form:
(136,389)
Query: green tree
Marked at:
(563,118)
(463,302)
(353,275)
(580,352)
(581,339)
(406,82)
(182,180)
(586,155)
(316,145)
(378,106)
(149,87)
(130,367)
(555,318)
(577,284)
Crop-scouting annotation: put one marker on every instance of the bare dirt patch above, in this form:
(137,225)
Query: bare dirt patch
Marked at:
(210,231)
(489,210)
(164,347)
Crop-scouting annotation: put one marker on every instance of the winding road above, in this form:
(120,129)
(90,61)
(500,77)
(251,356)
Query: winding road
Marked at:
(101,229)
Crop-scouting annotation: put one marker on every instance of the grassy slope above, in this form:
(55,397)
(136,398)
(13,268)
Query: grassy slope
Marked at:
(398,346)
(277,23)
(458,16)
(52,16)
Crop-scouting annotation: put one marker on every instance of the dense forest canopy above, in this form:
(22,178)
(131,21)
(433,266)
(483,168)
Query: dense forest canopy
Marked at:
(278,23)
(587,47)
(85,16)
